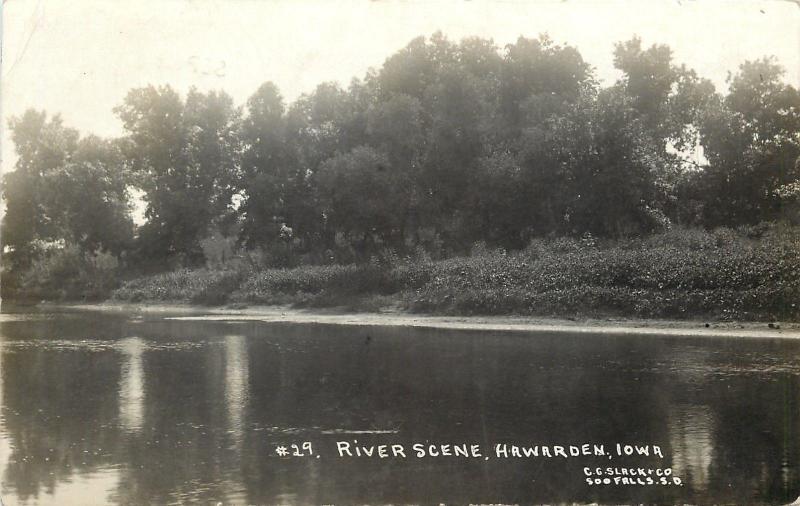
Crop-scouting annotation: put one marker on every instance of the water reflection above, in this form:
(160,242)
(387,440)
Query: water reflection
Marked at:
(131,385)
(5,444)
(690,435)
(236,385)
(236,397)
(157,412)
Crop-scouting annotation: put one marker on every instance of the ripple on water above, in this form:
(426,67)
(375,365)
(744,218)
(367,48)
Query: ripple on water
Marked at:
(96,345)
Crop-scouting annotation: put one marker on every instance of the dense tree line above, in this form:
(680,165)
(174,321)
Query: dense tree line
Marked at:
(445,145)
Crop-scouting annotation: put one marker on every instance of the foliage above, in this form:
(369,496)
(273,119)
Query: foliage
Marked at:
(751,141)
(201,286)
(217,249)
(68,273)
(185,154)
(516,154)
(683,273)
(62,188)
(363,195)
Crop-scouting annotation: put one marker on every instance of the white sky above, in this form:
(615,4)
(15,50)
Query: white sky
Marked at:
(80,57)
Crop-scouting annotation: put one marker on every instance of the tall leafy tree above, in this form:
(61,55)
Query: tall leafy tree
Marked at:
(67,220)
(446,143)
(268,169)
(321,125)
(87,198)
(43,145)
(362,197)
(751,138)
(523,181)
(539,78)
(63,191)
(614,168)
(395,127)
(669,101)
(186,156)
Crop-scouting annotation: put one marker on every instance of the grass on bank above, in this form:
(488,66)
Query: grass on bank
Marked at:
(744,275)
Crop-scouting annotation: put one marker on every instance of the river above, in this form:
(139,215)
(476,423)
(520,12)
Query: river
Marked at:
(125,408)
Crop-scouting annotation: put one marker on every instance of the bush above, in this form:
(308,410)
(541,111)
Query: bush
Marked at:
(682,273)
(217,249)
(67,273)
(199,286)
(692,239)
(273,286)
(218,288)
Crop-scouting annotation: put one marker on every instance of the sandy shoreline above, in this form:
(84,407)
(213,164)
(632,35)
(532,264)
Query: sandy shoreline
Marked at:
(687,328)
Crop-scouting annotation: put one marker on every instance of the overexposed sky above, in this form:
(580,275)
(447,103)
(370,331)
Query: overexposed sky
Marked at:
(80,57)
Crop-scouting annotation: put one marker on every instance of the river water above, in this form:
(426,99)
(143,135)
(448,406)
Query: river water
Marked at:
(115,408)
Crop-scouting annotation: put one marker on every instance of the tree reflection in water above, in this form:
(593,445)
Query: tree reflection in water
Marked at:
(131,385)
(159,411)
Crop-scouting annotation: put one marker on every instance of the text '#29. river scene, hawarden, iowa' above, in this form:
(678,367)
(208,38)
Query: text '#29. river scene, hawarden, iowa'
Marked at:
(400,253)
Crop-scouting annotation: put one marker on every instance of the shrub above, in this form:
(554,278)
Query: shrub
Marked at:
(681,273)
(69,273)
(273,285)
(200,286)
(693,239)
(217,249)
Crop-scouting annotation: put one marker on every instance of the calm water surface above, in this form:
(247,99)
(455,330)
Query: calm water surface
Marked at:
(124,409)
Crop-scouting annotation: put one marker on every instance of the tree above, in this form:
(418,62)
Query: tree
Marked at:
(670,102)
(363,197)
(617,179)
(453,145)
(67,220)
(648,77)
(751,138)
(522,184)
(266,166)
(669,98)
(414,68)
(447,143)
(87,198)
(42,146)
(186,157)
(326,123)
(592,169)
(503,210)
(537,73)
(64,192)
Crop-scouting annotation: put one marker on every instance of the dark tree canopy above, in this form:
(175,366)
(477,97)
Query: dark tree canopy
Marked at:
(186,155)
(64,189)
(446,144)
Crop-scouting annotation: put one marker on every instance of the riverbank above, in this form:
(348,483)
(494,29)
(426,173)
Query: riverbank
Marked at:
(285,314)
(682,274)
